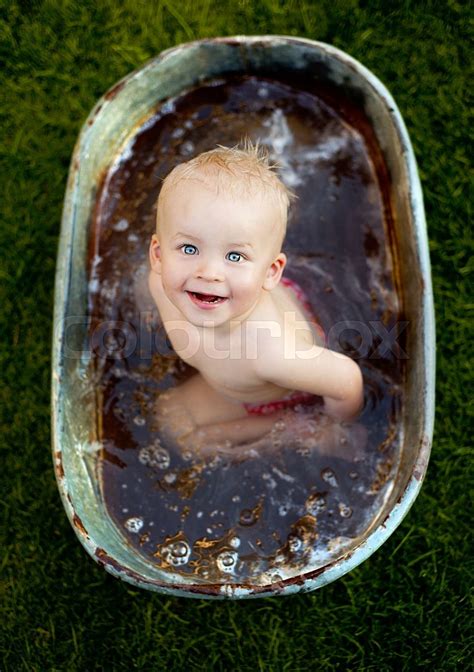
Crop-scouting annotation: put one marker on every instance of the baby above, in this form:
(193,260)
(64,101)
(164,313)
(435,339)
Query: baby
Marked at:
(216,278)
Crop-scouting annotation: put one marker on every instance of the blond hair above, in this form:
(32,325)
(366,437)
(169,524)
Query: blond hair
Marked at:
(241,171)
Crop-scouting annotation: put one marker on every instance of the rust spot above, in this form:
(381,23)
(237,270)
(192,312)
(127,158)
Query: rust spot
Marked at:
(385,519)
(425,442)
(59,464)
(371,244)
(103,558)
(423,459)
(113,459)
(232,42)
(111,93)
(302,578)
(93,118)
(77,522)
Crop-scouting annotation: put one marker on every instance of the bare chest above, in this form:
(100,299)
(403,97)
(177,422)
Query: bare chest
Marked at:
(227,362)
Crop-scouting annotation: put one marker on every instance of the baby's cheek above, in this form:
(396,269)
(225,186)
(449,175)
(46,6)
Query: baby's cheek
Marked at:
(248,292)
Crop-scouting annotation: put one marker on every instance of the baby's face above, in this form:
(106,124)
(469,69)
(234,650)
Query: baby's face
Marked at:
(216,254)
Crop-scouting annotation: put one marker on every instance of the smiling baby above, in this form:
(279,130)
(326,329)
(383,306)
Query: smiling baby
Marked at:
(217,280)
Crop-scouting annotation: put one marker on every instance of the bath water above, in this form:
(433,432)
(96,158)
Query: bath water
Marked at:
(257,515)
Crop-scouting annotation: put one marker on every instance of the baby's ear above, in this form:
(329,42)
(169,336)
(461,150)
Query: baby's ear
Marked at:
(155,254)
(274,272)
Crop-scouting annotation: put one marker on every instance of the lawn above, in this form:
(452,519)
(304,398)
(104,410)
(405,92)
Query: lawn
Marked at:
(407,607)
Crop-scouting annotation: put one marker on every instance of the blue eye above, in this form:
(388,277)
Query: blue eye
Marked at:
(234,256)
(189,249)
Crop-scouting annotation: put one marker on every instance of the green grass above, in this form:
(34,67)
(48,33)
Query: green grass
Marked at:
(406,608)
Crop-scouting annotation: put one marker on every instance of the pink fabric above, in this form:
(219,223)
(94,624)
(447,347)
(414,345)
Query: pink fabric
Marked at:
(290,401)
(294,398)
(303,299)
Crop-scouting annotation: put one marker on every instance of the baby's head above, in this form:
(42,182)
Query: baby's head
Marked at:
(221,221)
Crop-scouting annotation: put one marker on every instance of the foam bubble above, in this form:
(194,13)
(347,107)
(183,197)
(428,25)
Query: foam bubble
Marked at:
(121,225)
(294,543)
(247,517)
(226,561)
(344,510)
(316,503)
(177,553)
(154,456)
(134,525)
(329,476)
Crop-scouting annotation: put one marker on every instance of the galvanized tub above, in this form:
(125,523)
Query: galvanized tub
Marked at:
(74,400)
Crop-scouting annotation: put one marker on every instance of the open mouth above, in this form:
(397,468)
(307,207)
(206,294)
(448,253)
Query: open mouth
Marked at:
(209,299)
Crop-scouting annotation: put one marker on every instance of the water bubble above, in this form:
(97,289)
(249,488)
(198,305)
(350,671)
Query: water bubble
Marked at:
(329,476)
(312,426)
(134,525)
(273,577)
(247,517)
(234,542)
(304,451)
(170,478)
(216,460)
(270,482)
(179,549)
(122,225)
(279,425)
(294,543)
(344,510)
(353,475)
(154,456)
(187,148)
(236,498)
(316,503)
(139,420)
(283,509)
(226,561)
(177,553)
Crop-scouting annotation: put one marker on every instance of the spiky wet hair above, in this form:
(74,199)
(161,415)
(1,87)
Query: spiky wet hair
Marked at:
(241,171)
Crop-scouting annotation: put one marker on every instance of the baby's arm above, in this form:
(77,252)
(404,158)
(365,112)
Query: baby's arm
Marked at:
(317,370)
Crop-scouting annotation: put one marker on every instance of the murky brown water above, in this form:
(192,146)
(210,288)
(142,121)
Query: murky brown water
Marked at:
(265,515)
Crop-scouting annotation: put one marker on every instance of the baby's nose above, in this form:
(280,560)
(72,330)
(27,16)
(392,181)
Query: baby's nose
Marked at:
(210,269)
